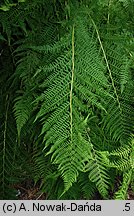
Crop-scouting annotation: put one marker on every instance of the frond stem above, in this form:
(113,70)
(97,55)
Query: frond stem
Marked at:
(4,141)
(72,80)
(109,5)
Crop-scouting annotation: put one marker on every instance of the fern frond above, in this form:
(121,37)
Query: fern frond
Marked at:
(98,172)
(22,109)
(132,154)
(118,121)
(121,194)
(74,110)
(123,151)
(74,76)
(88,188)
(8,150)
(119,158)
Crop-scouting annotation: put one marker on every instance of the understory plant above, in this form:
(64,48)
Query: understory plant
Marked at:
(67,97)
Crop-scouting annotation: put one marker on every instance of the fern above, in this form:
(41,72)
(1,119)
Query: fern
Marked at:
(88,188)
(98,172)
(78,79)
(8,148)
(23,104)
(121,112)
(121,194)
(70,77)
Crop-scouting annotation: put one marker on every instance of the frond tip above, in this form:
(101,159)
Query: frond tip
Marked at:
(22,109)
(121,194)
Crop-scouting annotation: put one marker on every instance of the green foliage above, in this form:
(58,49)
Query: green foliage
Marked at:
(121,194)
(70,86)
(23,108)
(8,147)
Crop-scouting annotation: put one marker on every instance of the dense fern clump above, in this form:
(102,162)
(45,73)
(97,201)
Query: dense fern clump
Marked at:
(71,94)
